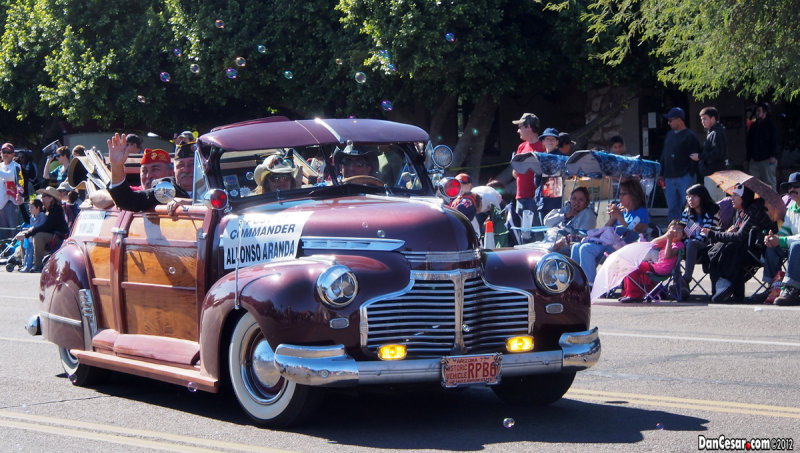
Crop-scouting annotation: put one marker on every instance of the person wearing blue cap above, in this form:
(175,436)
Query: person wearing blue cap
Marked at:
(548,188)
(677,168)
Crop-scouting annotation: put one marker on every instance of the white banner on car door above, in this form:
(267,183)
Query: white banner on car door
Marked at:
(264,238)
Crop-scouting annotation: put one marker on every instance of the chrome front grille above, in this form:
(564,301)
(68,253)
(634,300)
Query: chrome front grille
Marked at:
(440,313)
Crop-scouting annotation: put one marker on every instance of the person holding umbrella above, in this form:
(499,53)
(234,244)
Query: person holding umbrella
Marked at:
(726,258)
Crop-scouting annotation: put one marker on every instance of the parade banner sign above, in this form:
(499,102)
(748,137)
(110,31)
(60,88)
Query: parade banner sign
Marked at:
(264,238)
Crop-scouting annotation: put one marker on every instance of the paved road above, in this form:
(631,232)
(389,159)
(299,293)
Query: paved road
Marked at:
(669,373)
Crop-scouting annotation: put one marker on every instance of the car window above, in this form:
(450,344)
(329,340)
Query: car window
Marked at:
(298,169)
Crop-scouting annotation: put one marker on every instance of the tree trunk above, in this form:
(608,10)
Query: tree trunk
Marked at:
(469,149)
(440,117)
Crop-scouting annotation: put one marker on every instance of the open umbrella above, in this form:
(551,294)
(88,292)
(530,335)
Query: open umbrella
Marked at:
(727,180)
(541,163)
(617,266)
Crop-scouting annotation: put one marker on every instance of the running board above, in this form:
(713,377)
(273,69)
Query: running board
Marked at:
(192,379)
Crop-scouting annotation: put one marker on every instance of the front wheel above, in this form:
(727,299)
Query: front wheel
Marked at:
(78,373)
(266,396)
(535,390)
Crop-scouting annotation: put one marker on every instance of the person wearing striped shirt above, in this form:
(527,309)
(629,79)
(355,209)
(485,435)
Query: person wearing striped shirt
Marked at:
(701,212)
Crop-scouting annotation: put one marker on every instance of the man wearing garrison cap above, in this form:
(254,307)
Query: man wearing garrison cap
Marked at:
(155,164)
(155,168)
(184,165)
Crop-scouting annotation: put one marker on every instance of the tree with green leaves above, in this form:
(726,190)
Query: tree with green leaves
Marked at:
(174,64)
(707,46)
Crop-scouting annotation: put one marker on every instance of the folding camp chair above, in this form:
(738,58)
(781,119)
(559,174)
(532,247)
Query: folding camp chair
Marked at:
(667,286)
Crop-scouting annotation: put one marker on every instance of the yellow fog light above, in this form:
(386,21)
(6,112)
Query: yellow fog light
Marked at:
(392,352)
(521,343)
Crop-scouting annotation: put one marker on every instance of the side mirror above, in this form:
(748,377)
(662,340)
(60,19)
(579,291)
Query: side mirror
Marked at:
(164,192)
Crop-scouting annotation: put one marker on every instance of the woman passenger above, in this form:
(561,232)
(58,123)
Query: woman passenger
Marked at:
(275,173)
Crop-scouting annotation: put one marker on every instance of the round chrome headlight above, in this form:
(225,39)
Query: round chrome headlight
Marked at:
(442,156)
(554,273)
(337,286)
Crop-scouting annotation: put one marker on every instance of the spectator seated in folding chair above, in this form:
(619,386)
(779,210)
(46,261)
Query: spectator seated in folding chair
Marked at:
(651,278)
(629,219)
(571,222)
(734,253)
(701,212)
(784,244)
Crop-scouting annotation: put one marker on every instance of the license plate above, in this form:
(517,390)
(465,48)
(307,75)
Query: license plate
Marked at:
(471,369)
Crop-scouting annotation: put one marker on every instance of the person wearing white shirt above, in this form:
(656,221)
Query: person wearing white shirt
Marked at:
(10,197)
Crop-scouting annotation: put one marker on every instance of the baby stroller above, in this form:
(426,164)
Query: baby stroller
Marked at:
(8,256)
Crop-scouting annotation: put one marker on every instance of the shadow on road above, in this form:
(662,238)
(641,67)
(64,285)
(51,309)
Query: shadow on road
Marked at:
(407,418)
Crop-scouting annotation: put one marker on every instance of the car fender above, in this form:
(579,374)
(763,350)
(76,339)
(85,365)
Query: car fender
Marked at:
(283,298)
(63,276)
(555,313)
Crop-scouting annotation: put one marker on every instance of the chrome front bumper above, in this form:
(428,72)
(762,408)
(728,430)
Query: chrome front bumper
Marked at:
(331,366)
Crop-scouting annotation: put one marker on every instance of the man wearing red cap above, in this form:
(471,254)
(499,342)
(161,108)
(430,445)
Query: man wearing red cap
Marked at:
(466,202)
(155,166)
(528,129)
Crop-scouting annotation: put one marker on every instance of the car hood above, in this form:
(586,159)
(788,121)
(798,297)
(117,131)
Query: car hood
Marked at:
(422,229)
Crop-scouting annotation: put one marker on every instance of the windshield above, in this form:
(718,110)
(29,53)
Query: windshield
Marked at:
(299,170)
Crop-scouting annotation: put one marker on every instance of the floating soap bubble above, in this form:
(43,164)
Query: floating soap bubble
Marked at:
(261,48)
(339,61)
(73,378)
(384,54)
(249,175)
(381,234)
(195,68)
(219,23)
(450,37)
(660,426)
(360,77)
(240,61)
(141,99)
(364,224)
(231,73)
(474,131)
(165,77)
(177,52)
(191,386)
(288,75)
(387,105)
(391,67)
(508,423)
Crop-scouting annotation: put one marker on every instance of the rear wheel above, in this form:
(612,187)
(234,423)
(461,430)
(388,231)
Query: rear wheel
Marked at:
(78,373)
(535,390)
(266,396)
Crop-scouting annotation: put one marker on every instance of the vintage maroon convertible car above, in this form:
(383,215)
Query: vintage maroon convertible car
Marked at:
(333,282)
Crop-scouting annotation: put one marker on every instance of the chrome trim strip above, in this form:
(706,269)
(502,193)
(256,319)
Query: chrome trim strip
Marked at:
(331,366)
(88,316)
(351,243)
(61,319)
(443,257)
